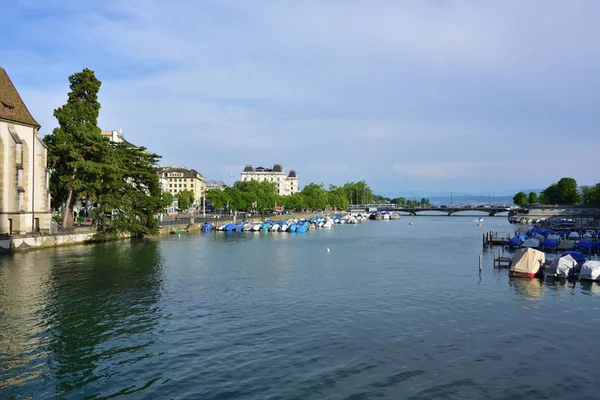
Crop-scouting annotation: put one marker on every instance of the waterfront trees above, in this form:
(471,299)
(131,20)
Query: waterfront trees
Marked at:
(532,198)
(590,194)
(185,199)
(129,194)
(77,152)
(563,192)
(520,199)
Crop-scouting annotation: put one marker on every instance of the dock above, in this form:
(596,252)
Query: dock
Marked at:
(493,238)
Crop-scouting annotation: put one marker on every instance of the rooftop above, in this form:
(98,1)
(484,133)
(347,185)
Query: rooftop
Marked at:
(12,107)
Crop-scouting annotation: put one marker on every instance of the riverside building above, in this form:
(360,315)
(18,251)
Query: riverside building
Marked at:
(24,194)
(180,179)
(286,185)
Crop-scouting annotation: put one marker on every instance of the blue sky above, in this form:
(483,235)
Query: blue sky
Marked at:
(413,96)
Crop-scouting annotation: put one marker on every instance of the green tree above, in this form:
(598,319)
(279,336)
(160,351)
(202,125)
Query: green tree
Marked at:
(591,194)
(166,199)
(563,192)
(520,199)
(185,199)
(218,198)
(129,192)
(77,152)
(315,195)
(532,198)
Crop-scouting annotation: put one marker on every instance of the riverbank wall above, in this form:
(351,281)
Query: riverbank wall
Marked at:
(36,241)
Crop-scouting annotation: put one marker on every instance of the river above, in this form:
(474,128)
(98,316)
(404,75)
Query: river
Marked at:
(391,311)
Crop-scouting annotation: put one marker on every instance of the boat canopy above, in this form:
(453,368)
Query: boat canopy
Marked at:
(590,270)
(549,244)
(573,235)
(584,245)
(531,243)
(527,262)
(515,242)
(577,256)
(562,267)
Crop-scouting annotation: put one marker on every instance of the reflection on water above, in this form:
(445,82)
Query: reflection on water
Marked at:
(74,304)
(528,289)
(590,287)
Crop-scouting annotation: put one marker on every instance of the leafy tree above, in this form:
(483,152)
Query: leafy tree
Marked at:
(185,199)
(520,199)
(77,152)
(218,198)
(166,199)
(129,192)
(532,198)
(316,196)
(562,192)
(591,194)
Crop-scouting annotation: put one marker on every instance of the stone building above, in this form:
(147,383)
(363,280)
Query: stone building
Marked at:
(180,179)
(24,194)
(286,185)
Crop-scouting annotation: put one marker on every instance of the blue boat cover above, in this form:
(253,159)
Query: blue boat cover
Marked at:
(549,244)
(515,241)
(584,245)
(522,236)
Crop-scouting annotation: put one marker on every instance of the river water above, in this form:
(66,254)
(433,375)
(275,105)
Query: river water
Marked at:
(391,311)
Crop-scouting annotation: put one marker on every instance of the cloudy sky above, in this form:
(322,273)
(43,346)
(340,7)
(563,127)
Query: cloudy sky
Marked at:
(412,96)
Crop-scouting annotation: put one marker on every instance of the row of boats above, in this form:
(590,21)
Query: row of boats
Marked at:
(548,240)
(290,225)
(532,263)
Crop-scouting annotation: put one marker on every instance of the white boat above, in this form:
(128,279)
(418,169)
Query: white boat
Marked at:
(284,227)
(394,215)
(247,227)
(327,224)
(590,271)
(256,227)
(386,216)
(561,267)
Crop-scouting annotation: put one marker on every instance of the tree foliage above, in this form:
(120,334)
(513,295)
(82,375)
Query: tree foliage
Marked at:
(520,199)
(185,199)
(77,152)
(562,192)
(129,197)
(591,194)
(532,198)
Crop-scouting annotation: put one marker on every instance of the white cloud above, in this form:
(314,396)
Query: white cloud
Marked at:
(440,90)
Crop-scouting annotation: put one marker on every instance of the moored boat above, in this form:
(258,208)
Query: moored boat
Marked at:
(527,262)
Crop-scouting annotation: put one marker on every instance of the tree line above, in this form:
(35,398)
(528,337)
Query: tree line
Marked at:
(565,191)
(263,197)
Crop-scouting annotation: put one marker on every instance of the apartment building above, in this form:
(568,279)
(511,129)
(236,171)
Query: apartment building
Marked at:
(286,184)
(180,179)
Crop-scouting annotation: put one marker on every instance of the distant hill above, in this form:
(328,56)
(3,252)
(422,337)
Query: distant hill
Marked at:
(471,200)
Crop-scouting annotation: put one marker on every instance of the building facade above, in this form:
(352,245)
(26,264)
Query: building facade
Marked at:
(24,193)
(286,184)
(212,184)
(180,179)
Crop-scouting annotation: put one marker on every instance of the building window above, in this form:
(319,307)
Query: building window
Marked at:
(180,185)
(191,185)
(170,185)
(185,185)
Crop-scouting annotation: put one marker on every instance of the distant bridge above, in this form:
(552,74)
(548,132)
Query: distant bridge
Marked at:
(448,210)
